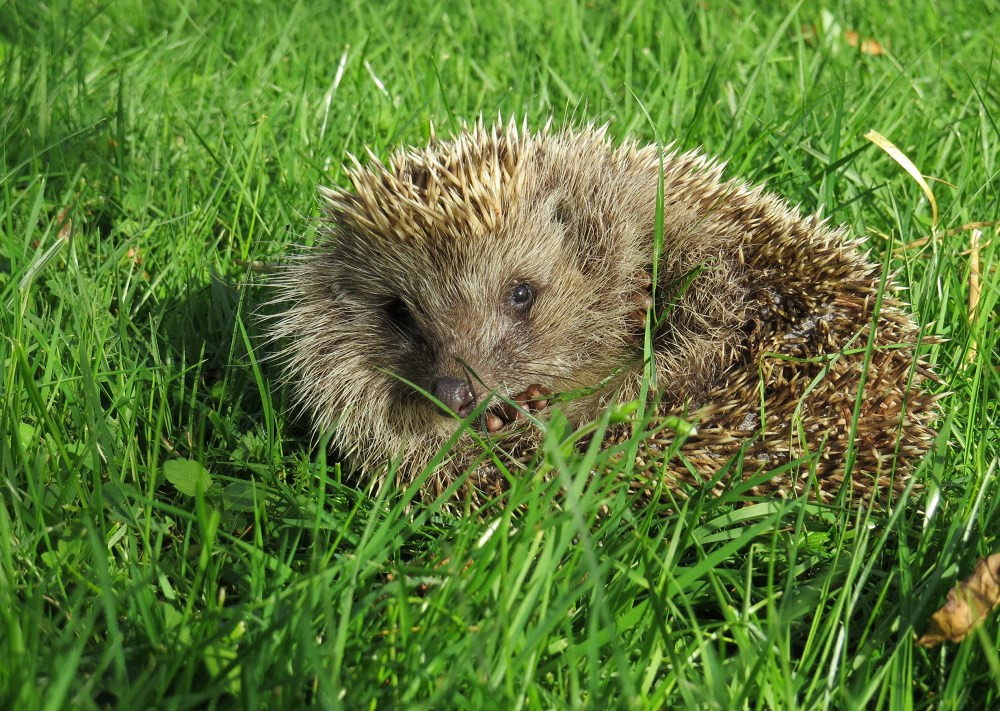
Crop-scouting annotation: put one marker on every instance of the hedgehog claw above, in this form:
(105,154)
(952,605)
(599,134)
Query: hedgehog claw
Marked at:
(494,423)
(532,399)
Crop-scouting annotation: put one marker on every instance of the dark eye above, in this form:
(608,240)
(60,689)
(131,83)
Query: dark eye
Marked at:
(398,313)
(521,297)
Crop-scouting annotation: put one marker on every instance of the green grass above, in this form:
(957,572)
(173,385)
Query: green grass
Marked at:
(182,138)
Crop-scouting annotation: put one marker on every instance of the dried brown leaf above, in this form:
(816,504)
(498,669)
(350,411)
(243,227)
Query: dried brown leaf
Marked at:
(65,224)
(969,603)
(872,47)
(867,45)
(974,287)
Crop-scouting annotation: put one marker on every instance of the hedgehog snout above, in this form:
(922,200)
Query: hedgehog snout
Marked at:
(455,394)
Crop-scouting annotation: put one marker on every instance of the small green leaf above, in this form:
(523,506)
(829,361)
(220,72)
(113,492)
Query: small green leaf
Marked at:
(187,476)
(240,496)
(26,431)
(168,593)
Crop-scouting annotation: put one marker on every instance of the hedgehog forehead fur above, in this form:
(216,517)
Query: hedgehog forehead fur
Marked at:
(487,203)
(503,259)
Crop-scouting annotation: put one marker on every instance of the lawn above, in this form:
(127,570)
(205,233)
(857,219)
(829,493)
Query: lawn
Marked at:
(172,537)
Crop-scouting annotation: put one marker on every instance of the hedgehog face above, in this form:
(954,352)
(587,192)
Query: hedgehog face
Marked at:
(467,320)
(492,263)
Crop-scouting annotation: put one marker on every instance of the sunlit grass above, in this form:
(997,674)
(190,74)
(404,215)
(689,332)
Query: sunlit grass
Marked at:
(150,153)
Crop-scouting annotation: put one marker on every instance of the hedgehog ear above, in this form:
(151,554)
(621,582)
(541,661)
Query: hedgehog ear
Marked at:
(561,211)
(578,232)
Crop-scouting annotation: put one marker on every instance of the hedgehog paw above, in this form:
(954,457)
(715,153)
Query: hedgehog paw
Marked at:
(532,399)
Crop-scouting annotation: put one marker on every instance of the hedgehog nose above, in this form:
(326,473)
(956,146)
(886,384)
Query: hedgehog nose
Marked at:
(455,394)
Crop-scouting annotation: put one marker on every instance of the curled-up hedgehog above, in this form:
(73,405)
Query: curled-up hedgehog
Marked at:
(500,268)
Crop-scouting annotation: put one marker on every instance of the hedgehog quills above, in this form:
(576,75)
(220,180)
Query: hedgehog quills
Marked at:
(501,269)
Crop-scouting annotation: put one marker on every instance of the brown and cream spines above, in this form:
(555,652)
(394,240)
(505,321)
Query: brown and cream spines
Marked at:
(520,264)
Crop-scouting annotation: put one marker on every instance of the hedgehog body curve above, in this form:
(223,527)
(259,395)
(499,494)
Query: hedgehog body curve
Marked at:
(514,265)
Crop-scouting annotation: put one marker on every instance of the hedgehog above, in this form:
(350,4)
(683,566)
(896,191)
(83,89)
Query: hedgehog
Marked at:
(459,292)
